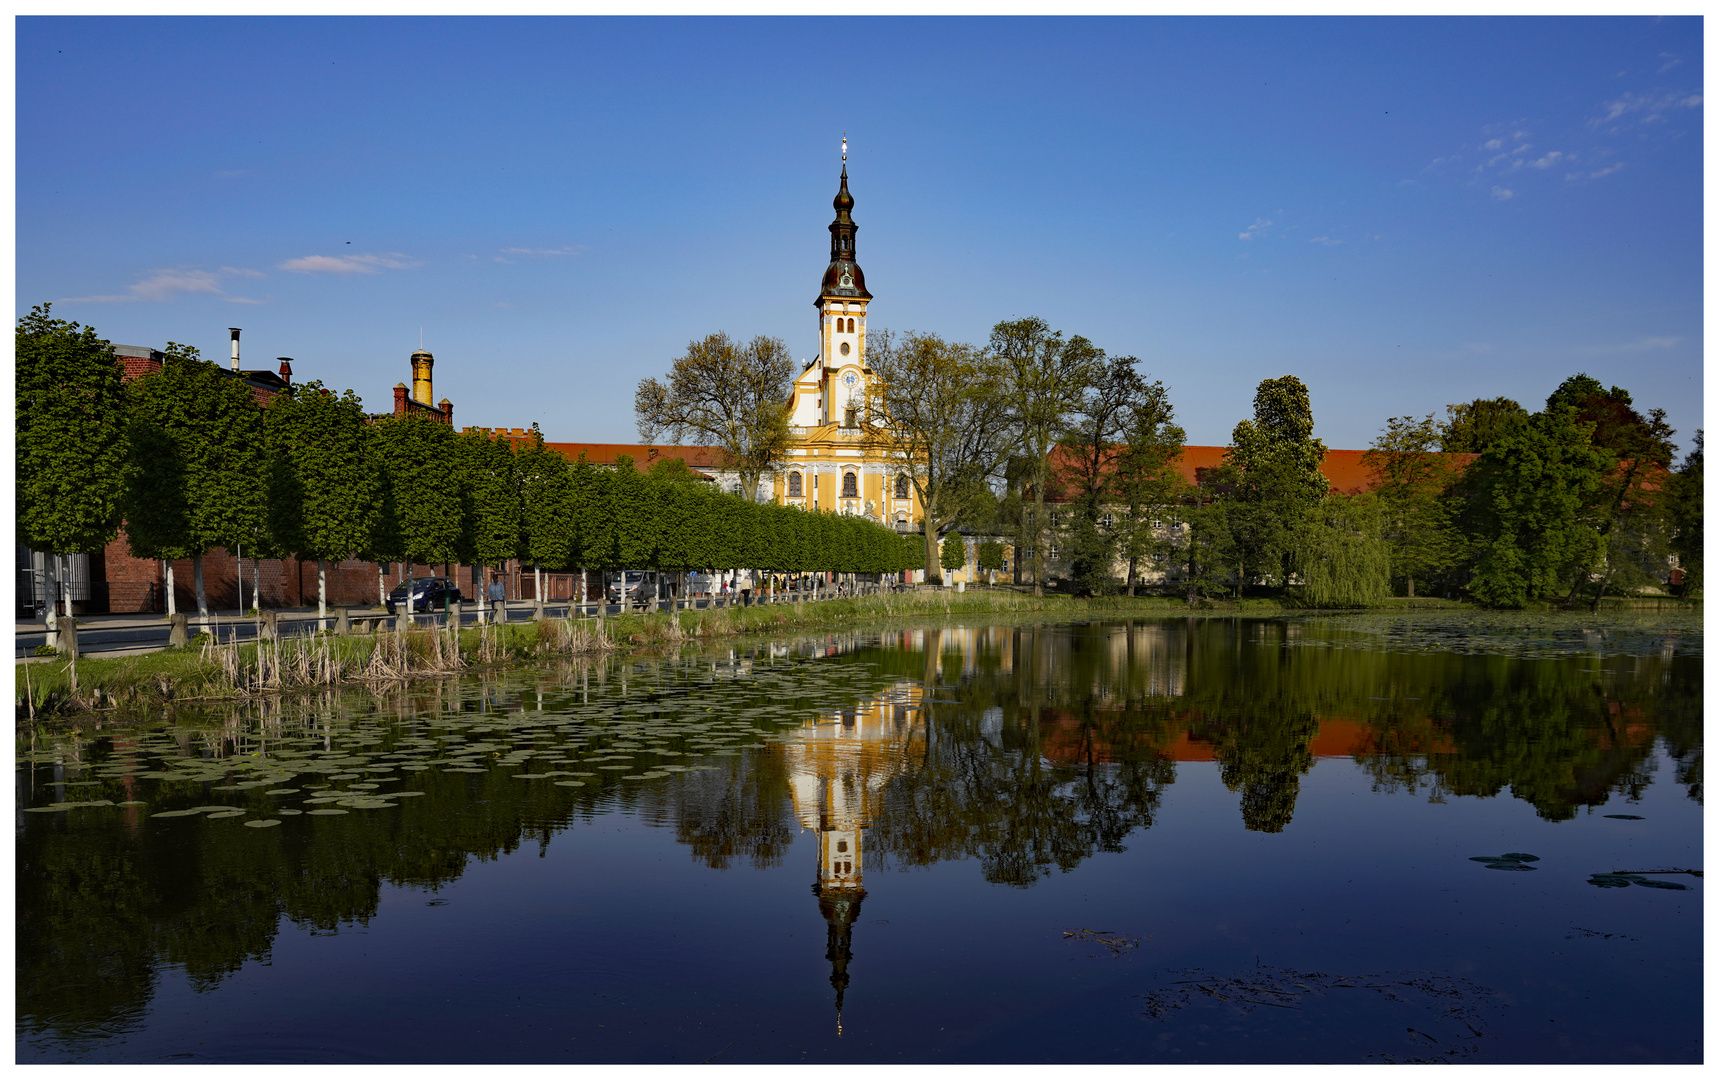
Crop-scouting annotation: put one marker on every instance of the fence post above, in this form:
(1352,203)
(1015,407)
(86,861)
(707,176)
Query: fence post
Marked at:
(343,621)
(537,609)
(68,643)
(176,629)
(268,626)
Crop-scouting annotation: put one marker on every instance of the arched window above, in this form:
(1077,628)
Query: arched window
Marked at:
(850,326)
(795,491)
(901,488)
(850,485)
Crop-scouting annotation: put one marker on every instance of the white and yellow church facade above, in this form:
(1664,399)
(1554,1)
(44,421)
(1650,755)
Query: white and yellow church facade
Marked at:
(829,466)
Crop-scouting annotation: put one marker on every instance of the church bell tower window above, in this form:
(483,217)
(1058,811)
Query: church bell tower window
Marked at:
(850,481)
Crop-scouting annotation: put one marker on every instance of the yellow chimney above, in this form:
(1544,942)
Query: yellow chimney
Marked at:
(422,362)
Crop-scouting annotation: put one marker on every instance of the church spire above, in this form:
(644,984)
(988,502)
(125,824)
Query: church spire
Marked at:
(843,279)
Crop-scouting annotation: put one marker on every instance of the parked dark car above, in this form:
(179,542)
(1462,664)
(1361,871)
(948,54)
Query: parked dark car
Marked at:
(428,594)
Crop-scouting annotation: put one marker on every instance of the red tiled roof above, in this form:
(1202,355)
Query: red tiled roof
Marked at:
(644,455)
(1343,468)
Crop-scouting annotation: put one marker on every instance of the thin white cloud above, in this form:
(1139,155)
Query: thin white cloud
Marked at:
(1550,159)
(164,285)
(542,253)
(1607,171)
(1647,108)
(348,264)
(1492,144)
(1671,60)
(1502,193)
(1256,229)
(1328,241)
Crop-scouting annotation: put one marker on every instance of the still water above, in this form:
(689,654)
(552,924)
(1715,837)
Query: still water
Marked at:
(1354,839)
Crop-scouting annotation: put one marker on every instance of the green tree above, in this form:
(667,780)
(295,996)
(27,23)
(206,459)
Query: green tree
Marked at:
(938,414)
(1343,558)
(1684,494)
(70,440)
(1044,378)
(490,493)
(422,472)
(198,480)
(992,555)
(734,395)
(1277,458)
(954,553)
(545,497)
(1411,480)
(323,485)
(1526,495)
(1149,486)
(1471,427)
(1627,513)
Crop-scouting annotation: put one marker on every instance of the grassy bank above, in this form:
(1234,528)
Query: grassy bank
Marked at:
(214,672)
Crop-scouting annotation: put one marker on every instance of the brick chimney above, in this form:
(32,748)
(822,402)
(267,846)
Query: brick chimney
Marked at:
(399,399)
(286,369)
(447,412)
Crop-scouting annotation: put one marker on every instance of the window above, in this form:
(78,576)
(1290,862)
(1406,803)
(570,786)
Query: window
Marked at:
(1053,551)
(1027,553)
(850,418)
(795,491)
(1107,521)
(850,481)
(1056,520)
(902,491)
(1157,523)
(850,326)
(841,845)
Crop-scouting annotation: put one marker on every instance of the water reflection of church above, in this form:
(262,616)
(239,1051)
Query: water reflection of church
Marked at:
(838,764)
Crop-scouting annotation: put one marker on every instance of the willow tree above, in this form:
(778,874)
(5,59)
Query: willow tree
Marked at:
(733,395)
(937,411)
(1411,480)
(1341,553)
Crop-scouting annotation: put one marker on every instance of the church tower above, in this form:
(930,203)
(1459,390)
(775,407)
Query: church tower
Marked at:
(841,305)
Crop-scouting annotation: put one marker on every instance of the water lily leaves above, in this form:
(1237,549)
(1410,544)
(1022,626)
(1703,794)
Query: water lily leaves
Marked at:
(1654,883)
(227,814)
(1626,817)
(216,809)
(262,823)
(282,791)
(177,813)
(1609,881)
(569,783)
(289,813)
(1514,860)
(326,811)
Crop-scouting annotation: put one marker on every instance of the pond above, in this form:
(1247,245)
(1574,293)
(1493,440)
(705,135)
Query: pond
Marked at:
(1341,839)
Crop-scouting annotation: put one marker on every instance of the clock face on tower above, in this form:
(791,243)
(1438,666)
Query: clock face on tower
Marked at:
(850,379)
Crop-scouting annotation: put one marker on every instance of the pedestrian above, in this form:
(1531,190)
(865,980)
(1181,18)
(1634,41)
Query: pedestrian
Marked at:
(498,597)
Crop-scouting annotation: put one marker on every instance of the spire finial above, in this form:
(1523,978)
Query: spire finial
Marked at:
(844,148)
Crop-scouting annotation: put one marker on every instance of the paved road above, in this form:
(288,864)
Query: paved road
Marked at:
(125,634)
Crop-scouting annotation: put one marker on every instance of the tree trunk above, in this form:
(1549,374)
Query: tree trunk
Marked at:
(382,583)
(51,596)
(321,594)
(257,584)
(1605,580)
(172,590)
(1038,534)
(202,597)
(1133,564)
(1411,586)
(933,557)
(239,569)
(537,583)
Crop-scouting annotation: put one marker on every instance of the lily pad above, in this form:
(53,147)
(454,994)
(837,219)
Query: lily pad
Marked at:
(1609,881)
(262,823)
(174,813)
(227,814)
(326,811)
(289,813)
(1520,856)
(1653,883)
(282,791)
(569,783)
(1626,817)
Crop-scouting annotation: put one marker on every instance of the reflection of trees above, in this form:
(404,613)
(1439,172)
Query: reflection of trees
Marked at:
(736,811)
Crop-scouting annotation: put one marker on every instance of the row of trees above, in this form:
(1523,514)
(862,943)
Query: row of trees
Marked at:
(190,460)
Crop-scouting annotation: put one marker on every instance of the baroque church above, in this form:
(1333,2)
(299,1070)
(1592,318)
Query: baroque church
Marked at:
(829,466)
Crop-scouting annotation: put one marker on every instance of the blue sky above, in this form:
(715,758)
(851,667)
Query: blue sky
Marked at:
(1403,212)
